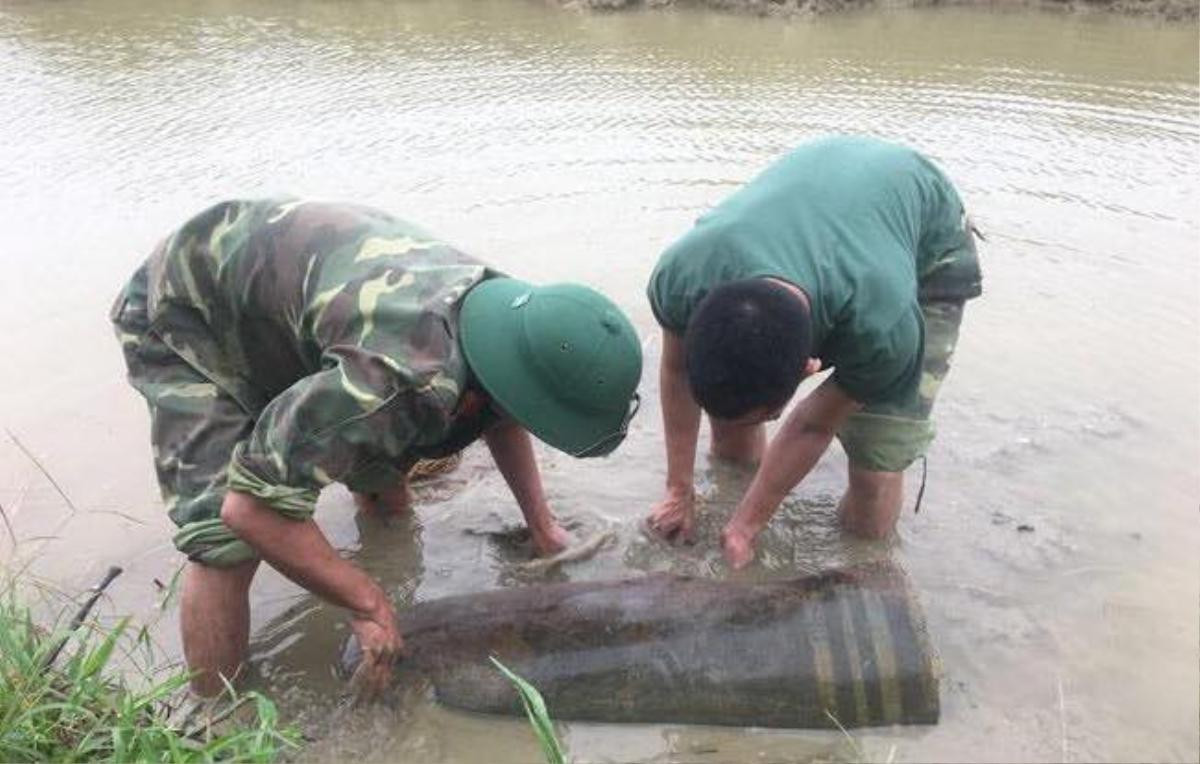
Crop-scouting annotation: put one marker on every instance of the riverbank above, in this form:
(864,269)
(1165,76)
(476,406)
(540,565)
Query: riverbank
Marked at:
(87,692)
(568,146)
(1166,10)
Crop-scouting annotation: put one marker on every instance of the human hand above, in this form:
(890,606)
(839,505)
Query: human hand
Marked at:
(550,540)
(379,637)
(737,544)
(674,518)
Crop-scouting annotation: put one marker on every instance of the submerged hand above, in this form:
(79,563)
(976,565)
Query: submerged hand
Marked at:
(550,541)
(382,646)
(738,546)
(674,518)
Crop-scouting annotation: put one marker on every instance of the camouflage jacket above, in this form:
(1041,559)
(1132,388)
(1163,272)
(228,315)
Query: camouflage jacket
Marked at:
(333,326)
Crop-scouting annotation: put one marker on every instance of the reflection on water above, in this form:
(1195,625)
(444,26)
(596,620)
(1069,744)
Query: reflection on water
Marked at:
(563,146)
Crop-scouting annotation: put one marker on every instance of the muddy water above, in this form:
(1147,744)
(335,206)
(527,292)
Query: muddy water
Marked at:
(1056,548)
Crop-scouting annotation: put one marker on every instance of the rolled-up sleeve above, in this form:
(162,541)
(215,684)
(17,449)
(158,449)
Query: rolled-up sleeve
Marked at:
(663,304)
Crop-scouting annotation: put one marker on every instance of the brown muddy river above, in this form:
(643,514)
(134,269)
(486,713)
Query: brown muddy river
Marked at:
(565,146)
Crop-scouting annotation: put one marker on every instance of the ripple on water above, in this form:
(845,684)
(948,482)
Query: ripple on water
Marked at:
(570,146)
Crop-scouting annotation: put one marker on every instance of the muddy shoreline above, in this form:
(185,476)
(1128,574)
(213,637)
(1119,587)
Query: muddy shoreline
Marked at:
(1165,10)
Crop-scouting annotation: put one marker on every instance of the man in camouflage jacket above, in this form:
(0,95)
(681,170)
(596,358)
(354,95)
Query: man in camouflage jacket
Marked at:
(284,345)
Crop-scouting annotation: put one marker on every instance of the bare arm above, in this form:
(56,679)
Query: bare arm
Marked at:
(298,549)
(681,427)
(512,451)
(792,453)
(681,414)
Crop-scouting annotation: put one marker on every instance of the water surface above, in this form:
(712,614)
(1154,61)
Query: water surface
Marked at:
(564,146)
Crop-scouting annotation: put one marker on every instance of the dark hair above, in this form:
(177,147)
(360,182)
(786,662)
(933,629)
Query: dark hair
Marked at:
(746,346)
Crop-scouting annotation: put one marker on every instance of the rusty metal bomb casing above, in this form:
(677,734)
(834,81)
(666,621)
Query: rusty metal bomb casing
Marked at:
(850,644)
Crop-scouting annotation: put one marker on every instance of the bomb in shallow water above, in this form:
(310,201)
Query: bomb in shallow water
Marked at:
(848,644)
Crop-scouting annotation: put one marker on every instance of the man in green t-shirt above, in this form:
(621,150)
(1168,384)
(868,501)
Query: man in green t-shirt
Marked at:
(851,253)
(285,345)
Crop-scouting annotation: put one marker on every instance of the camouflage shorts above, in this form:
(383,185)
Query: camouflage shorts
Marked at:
(890,437)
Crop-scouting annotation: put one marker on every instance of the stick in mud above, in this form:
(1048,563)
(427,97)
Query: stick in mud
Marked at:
(77,621)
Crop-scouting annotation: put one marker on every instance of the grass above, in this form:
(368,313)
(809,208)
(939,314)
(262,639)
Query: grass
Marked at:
(860,754)
(78,705)
(539,716)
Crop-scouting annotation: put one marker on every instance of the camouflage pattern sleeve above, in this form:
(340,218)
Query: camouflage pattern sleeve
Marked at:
(331,327)
(360,415)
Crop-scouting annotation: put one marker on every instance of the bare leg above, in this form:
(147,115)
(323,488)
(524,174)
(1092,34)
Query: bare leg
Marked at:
(390,502)
(871,504)
(738,443)
(215,620)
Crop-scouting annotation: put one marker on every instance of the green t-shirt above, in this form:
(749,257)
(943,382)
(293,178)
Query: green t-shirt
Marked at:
(853,221)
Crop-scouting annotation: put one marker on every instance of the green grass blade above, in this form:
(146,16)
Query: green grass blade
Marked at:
(98,659)
(84,708)
(539,716)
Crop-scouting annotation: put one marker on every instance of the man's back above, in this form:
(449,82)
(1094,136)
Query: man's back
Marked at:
(850,253)
(861,192)
(256,291)
(853,221)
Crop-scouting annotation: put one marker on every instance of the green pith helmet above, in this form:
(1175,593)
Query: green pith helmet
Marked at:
(562,360)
